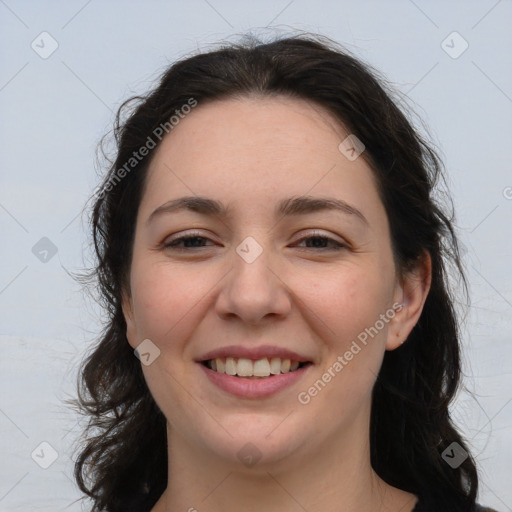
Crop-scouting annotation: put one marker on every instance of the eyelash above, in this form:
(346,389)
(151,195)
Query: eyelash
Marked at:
(191,236)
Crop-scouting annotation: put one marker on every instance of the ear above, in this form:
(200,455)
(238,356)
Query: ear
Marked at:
(411,293)
(127,307)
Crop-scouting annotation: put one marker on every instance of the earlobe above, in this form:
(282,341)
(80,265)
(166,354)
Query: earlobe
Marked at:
(412,293)
(126,306)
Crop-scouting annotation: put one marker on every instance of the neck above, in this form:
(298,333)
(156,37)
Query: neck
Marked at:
(338,477)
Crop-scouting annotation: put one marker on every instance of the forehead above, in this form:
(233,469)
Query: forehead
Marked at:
(258,150)
(264,129)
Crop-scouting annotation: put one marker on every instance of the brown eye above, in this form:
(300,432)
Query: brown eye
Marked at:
(321,242)
(186,242)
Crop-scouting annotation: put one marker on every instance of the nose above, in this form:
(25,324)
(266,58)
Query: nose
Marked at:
(253,291)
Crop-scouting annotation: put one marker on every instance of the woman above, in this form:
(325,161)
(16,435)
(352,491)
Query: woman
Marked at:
(270,251)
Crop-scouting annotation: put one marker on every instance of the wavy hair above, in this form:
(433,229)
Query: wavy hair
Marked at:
(123,459)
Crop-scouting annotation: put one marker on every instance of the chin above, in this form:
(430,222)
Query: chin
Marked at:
(257,443)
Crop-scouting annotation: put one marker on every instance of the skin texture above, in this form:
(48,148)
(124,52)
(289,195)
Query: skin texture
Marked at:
(250,153)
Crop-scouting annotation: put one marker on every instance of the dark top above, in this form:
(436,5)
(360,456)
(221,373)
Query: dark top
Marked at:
(420,507)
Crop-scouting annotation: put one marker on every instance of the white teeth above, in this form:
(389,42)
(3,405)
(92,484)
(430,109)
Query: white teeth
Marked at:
(244,367)
(285,365)
(275,366)
(220,365)
(230,366)
(261,368)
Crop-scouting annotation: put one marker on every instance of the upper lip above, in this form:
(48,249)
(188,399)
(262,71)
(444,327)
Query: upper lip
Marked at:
(255,353)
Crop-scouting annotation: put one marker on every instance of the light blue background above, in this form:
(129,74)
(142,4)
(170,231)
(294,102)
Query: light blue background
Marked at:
(55,110)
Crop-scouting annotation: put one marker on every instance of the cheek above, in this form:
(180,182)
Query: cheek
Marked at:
(164,298)
(349,300)
(167,306)
(350,305)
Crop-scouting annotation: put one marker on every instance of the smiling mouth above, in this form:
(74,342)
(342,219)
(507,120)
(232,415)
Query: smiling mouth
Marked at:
(253,369)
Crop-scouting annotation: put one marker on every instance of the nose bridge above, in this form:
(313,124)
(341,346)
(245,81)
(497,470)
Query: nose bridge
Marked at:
(252,290)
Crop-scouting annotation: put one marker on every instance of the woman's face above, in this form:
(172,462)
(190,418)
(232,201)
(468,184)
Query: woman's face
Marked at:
(266,277)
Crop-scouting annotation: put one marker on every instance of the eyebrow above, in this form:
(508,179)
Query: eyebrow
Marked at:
(287,207)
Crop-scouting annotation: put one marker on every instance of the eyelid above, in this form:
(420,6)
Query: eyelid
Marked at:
(325,234)
(336,245)
(313,233)
(185,234)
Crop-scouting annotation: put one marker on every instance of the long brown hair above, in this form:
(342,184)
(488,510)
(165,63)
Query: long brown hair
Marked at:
(124,458)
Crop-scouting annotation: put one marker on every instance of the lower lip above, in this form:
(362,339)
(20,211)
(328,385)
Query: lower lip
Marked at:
(253,388)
